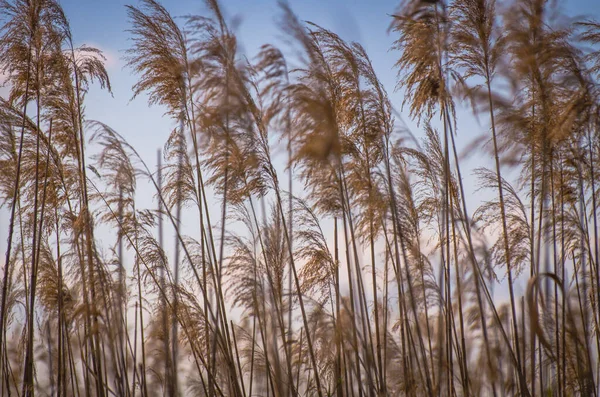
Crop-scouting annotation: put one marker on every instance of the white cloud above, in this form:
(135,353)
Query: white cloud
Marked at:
(112,57)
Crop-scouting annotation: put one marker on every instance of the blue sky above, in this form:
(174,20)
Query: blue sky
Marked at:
(104,23)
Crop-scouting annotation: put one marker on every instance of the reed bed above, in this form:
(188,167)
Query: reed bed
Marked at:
(302,242)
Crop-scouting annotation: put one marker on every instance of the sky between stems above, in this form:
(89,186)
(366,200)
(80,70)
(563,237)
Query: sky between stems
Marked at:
(104,24)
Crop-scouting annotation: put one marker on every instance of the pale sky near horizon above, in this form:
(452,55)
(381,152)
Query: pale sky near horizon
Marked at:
(103,24)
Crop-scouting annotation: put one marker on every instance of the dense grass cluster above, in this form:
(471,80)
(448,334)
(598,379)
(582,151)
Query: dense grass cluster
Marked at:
(358,268)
